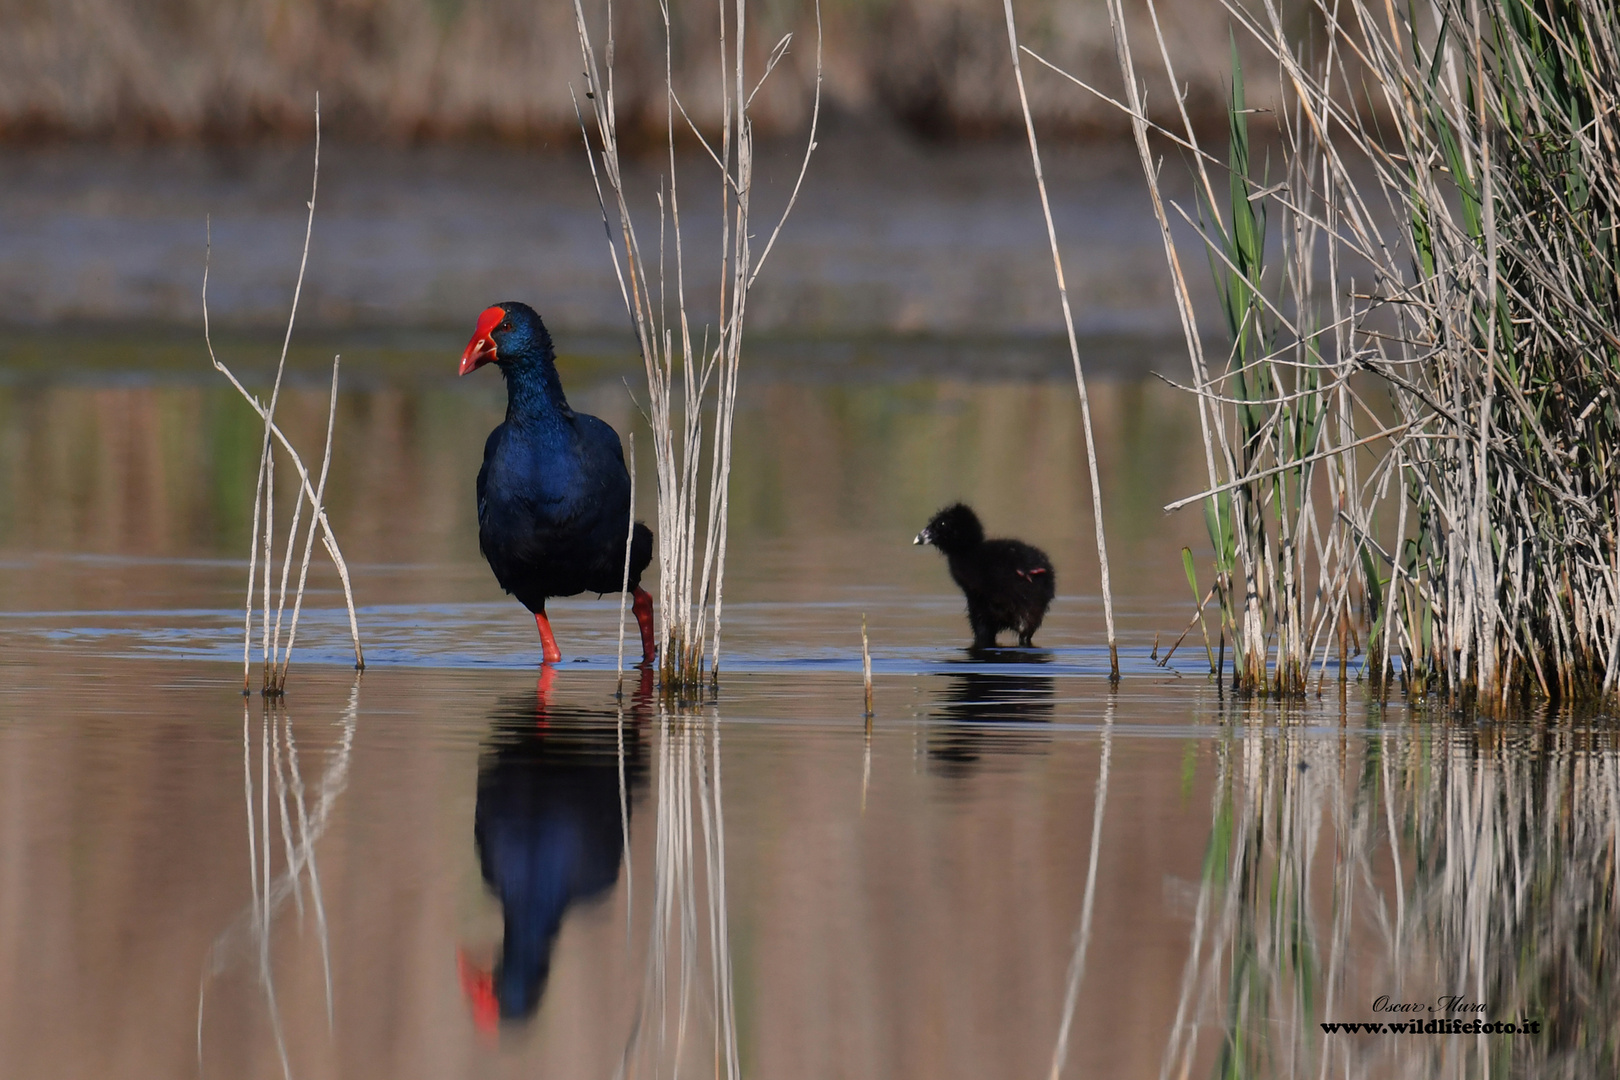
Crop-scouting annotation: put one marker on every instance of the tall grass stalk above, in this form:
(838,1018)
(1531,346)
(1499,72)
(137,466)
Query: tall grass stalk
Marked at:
(1416,419)
(681,371)
(275,653)
(1074,345)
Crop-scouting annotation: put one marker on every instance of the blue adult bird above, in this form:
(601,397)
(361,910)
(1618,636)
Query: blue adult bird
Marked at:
(553,494)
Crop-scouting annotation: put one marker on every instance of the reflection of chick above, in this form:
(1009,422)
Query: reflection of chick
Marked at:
(1008,584)
(549,834)
(982,704)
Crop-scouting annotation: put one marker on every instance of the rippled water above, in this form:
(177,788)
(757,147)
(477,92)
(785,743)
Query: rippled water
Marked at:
(1017,870)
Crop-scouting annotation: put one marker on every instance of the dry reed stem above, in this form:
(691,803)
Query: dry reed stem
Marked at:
(629,537)
(1074,346)
(309,536)
(267,463)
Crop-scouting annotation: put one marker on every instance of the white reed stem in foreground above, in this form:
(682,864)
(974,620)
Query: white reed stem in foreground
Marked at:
(267,462)
(1074,345)
(629,537)
(309,537)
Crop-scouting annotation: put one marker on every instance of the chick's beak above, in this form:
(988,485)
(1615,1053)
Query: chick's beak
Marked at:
(923,538)
(481,349)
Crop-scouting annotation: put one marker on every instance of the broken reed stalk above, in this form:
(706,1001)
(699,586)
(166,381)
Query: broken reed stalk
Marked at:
(275,655)
(1074,345)
(866,669)
(309,536)
(1456,173)
(680,375)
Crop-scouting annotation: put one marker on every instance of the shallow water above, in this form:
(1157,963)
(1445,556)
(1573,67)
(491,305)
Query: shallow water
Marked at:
(194,884)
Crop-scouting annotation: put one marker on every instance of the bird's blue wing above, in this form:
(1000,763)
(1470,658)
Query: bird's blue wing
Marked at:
(490,446)
(603,455)
(599,437)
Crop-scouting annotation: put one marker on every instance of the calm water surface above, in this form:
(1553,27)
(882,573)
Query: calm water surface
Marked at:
(460,865)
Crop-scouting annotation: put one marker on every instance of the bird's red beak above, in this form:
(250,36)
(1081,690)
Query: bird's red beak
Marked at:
(481,349)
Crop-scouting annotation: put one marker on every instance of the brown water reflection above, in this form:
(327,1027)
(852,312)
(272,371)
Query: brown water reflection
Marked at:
(827,476)
(332,878)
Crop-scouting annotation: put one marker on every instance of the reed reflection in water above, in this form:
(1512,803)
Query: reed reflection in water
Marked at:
(302,818)
(1469,871)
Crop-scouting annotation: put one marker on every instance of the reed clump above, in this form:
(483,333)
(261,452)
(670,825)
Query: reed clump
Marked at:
(688,372)
(276,649)
(414,69)
(1410,444)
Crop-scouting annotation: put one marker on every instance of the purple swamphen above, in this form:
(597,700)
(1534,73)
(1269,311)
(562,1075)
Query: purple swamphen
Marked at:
(1009,584)
(553,493)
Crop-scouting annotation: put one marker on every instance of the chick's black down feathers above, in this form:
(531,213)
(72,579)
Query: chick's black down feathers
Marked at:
(1008,584)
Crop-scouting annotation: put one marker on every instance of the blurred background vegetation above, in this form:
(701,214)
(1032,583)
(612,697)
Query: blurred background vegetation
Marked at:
(399,70)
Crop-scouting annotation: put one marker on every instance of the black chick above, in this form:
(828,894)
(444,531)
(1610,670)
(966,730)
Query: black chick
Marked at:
(1008,583)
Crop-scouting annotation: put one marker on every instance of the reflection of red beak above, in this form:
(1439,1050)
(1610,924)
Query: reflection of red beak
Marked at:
(479,986)
(481,349)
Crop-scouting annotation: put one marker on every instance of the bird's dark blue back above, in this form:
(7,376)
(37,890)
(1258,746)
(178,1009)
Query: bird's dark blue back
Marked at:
(553,508)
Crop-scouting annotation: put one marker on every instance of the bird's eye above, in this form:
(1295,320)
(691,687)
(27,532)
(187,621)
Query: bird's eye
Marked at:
(505,326)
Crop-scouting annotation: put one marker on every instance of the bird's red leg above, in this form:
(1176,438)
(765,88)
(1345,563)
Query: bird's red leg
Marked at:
(548,644)
(642,606)
(542,693)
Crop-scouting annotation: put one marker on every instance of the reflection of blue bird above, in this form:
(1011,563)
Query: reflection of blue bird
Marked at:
(549,835)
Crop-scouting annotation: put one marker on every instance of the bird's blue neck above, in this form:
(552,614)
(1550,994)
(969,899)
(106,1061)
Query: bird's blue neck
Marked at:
(532,919)
(534,393)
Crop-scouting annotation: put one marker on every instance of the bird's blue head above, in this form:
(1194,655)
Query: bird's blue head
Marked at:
(510,334)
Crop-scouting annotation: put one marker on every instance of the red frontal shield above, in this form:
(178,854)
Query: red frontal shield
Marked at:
(481,349)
